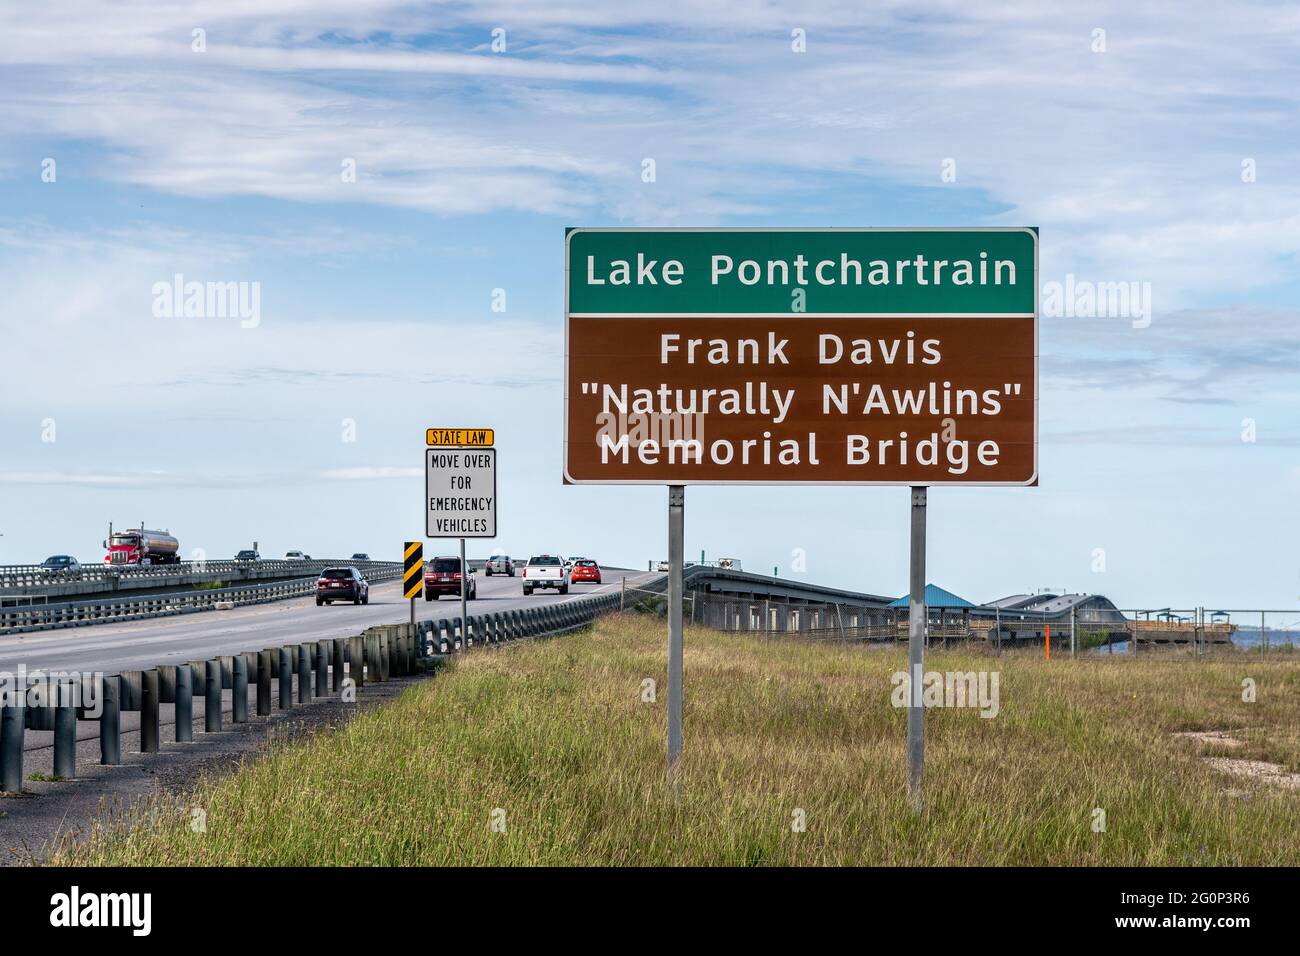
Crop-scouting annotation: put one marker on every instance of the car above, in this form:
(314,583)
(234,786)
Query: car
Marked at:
(443,576)
(360,556)
(546,571)
(499,564)
(248,554)
(585,569)
(663,566)
(64,565)
(342,584)
(294,556)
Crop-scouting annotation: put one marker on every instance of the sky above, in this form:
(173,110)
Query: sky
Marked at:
(385,177)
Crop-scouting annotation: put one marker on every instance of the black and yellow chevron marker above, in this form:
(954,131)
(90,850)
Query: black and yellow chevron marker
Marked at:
(413,569)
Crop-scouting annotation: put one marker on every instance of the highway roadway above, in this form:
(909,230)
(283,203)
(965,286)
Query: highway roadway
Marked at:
(139,645)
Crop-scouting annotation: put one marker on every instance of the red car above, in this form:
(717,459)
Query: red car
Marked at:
(442,576)
(342,584)
(585,570)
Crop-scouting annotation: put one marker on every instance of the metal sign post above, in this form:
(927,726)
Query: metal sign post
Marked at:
(916,633)
(464,583)
(676,547)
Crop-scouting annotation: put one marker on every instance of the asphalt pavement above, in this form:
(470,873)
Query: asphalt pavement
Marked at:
(139,645)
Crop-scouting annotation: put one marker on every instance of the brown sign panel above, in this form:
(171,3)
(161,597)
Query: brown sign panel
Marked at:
(802,397)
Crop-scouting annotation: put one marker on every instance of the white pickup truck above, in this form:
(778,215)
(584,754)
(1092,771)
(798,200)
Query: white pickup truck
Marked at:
(546,571)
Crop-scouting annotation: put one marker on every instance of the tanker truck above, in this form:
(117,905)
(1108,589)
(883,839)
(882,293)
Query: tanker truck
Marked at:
(139,546)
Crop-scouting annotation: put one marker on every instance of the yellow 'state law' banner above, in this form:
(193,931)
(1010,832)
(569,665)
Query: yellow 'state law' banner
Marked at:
(460,437)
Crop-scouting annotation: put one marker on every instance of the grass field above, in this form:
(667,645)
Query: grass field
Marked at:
(553,739)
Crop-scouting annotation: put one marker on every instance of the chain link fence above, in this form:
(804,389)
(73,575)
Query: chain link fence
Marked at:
(1170,632)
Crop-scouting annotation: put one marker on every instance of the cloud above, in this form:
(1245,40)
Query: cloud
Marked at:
(1216,356)
(1167,434)
(371,473)
(85,478)
(1130,159)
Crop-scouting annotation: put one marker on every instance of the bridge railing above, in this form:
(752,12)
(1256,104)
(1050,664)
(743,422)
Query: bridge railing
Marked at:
(268,679)
(134,575)
(34,617)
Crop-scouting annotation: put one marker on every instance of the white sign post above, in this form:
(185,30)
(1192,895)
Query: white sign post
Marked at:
(460,493)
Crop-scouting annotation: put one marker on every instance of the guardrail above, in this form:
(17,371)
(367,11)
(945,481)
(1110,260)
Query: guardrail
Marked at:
(339,667)
(141,575)
(37,617)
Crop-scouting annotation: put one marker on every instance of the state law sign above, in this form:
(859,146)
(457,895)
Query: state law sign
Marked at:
(840,356)
(460,483)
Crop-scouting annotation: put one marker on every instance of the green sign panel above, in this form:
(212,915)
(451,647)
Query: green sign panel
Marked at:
(901,272)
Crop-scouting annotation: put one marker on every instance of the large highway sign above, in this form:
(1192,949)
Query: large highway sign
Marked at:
(460,483)
(846,356)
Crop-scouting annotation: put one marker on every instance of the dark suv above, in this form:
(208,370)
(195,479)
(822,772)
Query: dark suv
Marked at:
(63,565)
(442,576)
(342,584)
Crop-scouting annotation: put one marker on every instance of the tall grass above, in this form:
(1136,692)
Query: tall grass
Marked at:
(555,736)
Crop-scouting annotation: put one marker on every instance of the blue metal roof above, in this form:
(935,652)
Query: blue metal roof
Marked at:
(935,596)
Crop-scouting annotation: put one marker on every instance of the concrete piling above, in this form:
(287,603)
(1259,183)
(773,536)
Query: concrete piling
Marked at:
(184,704)
(340,644)
(264,669)
(304,672)
(65,732)
(150,731)
(323,653)
(212,697)
(239,689)
(12,728)
(286,678)
(110,722)
(357,661)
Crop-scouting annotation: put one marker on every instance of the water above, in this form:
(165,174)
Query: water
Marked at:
(1242,638)
(1249,637)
